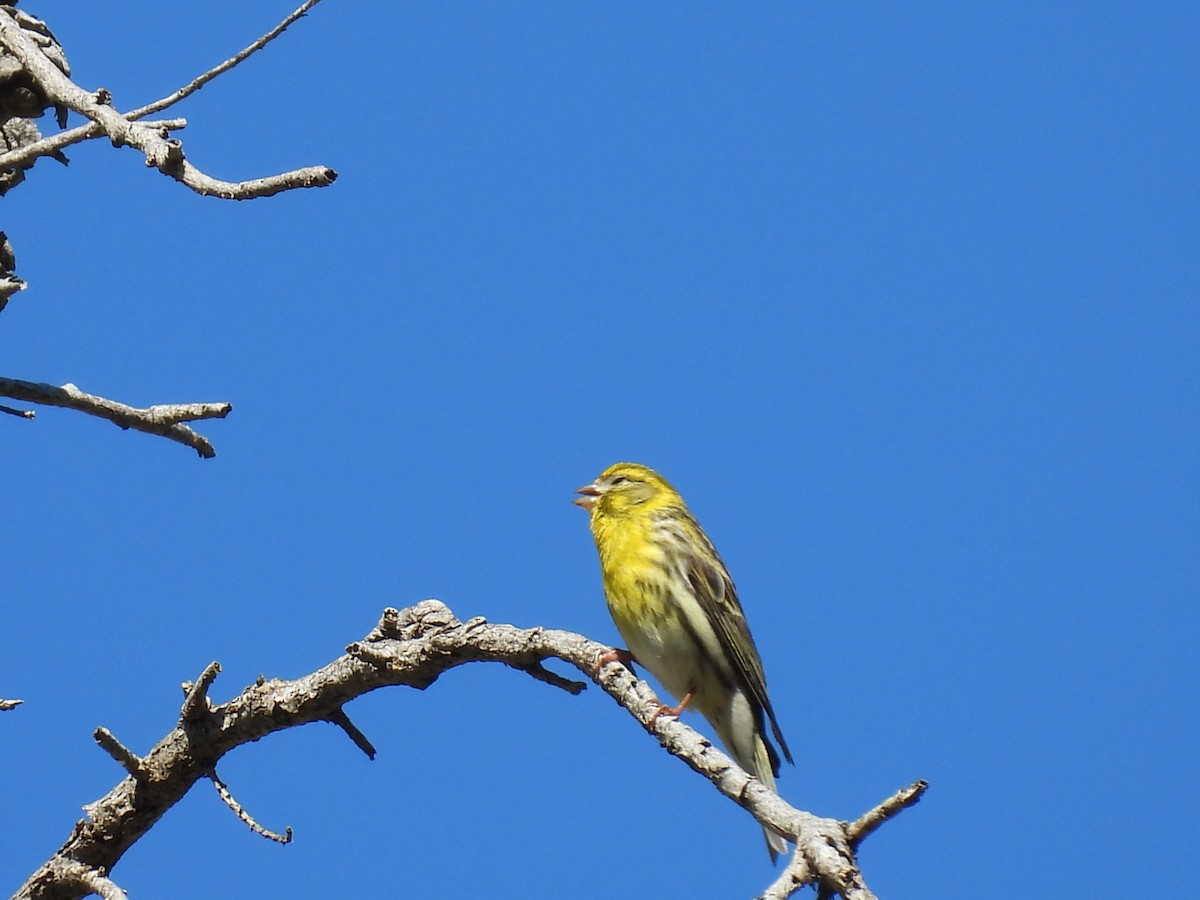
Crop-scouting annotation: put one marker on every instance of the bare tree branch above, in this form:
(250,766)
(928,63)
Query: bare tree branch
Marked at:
(413,647)
(795,875)
(6,705)
(163,420)
(125,757)
(342,721)
(862,827)
(161,152)
(90,881)
(201,80)
(27,155)
(240,812)
(195,700)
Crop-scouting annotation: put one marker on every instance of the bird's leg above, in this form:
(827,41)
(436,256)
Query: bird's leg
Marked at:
(673,711)
(624,657)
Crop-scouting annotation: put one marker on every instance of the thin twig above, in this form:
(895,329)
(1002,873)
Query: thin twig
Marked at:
(342,721)
(541,673)
(898,802)
(19,413)
(165,420)
(6,705)
(224,67)
(240,812)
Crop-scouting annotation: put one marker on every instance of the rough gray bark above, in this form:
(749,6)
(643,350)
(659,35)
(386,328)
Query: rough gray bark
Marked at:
(414,647)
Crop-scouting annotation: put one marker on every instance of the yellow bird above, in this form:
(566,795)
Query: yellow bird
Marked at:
(674,604)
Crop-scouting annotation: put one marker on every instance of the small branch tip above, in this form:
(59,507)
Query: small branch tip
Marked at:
(128,760)
(240,812)
(342,721)
(195,704)
(862,827)
(541,673)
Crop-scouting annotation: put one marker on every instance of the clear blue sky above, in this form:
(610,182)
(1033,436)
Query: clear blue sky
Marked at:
(903,298)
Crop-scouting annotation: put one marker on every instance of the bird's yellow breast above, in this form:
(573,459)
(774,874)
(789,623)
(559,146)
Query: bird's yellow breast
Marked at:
(633,566)
(642,593)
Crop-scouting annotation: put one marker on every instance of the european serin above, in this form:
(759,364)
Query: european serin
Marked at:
(674,604)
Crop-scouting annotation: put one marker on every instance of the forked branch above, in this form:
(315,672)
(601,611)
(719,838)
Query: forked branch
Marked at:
(414,647)
(123,129)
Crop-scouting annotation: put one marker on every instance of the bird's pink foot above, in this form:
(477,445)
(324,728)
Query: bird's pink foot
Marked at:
(673,711)
(624,657)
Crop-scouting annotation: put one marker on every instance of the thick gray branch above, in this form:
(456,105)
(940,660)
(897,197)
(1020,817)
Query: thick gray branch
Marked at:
(413,647)
(164,420)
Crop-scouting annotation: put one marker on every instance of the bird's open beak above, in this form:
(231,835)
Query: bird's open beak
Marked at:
(588,500)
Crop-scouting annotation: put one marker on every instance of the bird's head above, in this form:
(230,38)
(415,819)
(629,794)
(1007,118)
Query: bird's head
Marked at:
(625,488)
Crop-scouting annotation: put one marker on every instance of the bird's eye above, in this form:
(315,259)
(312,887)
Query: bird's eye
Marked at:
(619,479)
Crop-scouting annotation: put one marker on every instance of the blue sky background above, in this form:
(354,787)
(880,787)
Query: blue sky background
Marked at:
(903,298)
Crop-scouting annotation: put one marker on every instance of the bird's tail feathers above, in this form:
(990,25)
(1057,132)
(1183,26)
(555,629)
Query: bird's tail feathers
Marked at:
(752,752)
(776,845)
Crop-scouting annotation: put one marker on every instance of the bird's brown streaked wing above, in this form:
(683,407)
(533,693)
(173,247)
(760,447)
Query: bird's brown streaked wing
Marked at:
(717,596)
